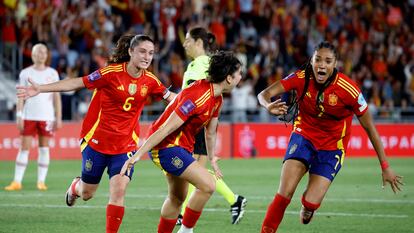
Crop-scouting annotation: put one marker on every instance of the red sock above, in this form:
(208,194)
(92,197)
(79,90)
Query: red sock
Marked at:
(274,214)
(114,215)
(166,225)
(310,206)
(190,217)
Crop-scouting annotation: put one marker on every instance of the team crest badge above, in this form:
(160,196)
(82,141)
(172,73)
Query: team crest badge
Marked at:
(88,165)
(177,162)
(132,88)
(293,149)
(144,90)
(333,99)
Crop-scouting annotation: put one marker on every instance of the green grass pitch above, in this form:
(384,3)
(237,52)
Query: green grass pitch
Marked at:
(355,202)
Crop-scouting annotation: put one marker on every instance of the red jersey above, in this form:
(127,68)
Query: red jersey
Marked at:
(196,106)
(111,125)
(328,127)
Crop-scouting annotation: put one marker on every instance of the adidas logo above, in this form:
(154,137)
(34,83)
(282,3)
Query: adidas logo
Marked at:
(121,88)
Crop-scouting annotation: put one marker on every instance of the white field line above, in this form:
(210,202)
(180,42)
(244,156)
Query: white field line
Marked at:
(211,210)
(265,198)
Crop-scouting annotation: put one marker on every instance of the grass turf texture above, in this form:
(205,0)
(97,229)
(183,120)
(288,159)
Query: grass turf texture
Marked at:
(355,202)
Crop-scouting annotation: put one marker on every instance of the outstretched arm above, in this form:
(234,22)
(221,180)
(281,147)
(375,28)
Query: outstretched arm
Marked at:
(210,135)
(172,123)
(276,107)
(388,175)
(34,89)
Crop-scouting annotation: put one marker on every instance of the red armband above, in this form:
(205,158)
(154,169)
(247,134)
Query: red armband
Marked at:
(384,165)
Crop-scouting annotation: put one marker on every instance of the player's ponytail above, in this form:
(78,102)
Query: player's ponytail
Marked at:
(208,38)
(120,53)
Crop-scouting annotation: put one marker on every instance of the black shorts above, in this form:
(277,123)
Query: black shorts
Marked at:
(200,143)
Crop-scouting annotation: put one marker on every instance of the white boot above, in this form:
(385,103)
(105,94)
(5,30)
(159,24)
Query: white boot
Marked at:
(185,229)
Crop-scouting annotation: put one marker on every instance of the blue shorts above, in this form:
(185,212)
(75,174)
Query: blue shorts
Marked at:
(326,163)
(94,164)
(173,160)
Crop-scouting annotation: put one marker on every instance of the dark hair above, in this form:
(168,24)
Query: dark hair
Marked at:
(327,45)
(222,63)
(120,53)
(208,38)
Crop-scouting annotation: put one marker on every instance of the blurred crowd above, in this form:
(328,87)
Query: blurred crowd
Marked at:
(375,39)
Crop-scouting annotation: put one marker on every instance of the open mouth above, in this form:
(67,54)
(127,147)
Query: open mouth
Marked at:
(321,75)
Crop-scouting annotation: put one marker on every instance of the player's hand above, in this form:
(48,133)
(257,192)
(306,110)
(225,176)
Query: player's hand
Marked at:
(216,169)
(277,107)
(389,176)
(26,92)
(129,164)
(58,124)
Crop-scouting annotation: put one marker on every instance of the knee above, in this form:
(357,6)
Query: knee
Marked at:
(209,186)
(118,193)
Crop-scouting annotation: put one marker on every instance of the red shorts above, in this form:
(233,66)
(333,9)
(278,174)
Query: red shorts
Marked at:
(41,128)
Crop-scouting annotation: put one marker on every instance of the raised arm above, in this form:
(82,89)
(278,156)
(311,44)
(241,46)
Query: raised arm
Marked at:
(211,135)
(276,107)
(388,175)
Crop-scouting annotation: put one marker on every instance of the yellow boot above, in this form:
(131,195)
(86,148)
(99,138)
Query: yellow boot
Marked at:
(14,186)
(41,186)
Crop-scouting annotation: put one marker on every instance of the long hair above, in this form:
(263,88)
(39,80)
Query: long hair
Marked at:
(120,53)
(208,38)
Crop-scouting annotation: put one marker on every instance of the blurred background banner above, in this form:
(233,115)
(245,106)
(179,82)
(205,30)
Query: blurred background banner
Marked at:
(65,144)
(242,140)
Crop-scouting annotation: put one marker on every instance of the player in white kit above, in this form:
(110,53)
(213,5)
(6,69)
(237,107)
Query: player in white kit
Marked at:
(39,115)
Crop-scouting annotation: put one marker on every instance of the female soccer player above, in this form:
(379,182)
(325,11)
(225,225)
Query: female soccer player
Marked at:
(172,138)
(39,116)
(327,100)
(198,42)
(110,128)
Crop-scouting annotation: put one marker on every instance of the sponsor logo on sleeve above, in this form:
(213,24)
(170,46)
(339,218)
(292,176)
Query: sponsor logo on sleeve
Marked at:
(94,76)
(187,107)
(362,103)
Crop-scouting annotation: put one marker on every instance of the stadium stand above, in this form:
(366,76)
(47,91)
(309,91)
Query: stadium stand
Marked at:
(274,38)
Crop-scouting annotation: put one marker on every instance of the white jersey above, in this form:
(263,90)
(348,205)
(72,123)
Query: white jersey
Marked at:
(40,107)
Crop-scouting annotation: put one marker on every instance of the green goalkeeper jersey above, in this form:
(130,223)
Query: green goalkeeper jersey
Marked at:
(196,70)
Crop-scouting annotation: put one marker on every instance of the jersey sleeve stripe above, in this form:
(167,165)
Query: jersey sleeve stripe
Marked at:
(343,81)
(200,102)
(111,70)
(301,74)
(203,96)
(111,67)
(348,87)
(151,75)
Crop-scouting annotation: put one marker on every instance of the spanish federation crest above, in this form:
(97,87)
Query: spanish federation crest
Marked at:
(177,162)
(88,165)
(333,99)
(293,149)
(132,88)
(144,90)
